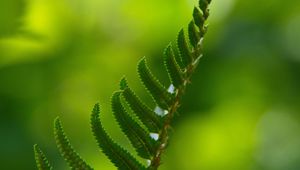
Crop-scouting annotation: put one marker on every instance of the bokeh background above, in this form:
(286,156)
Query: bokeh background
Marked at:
(59,57)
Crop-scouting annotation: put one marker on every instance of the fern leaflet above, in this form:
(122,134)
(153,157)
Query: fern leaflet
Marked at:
(66,150)
(40,158)
(159,93)
(149,118)
(117,155)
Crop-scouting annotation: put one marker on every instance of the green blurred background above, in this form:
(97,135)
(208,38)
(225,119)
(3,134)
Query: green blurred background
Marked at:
(59,57)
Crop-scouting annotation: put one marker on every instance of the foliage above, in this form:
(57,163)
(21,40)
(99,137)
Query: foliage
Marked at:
(40,158)
(180,70)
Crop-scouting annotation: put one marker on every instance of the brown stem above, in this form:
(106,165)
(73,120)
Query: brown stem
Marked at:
(164,135)
(189,70)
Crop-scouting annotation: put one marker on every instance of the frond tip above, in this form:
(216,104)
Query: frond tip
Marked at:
(66,149)
(117,155)
(42,162)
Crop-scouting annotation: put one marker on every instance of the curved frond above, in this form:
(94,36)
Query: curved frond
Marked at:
(42,162)
(117,155)
(66,150)
(150,134)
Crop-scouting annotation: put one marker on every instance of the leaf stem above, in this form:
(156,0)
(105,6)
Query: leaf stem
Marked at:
(164,133)
(199,19)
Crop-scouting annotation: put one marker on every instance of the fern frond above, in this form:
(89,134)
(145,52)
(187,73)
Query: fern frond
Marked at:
(180,69)
(66,150)
(174,71)
(42,162)
(159,93)
(185,53)
(150,119)
(117,155)
(139,138)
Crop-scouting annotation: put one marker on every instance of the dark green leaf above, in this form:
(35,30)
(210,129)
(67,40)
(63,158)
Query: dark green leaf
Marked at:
(139,138)
(161,96)
(198,18)
(203,4)
(149,118)
(66,150)
(117,155)
(174,71)
(42,162)
(193,34)
(184,50)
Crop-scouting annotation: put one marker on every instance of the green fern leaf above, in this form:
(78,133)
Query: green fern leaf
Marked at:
(198,18)
(40,158)
(184,50)
(117,155)
(180,69)
(68,153)
(139,138)
(150,119)
(161,96)
(203,4)
(174,71)
(193,34)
